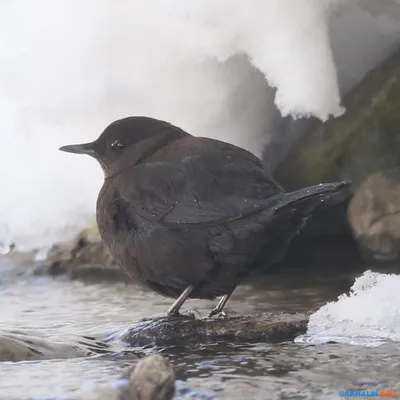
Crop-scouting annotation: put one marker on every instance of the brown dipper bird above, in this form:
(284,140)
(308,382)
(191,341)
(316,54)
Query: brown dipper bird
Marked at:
(191,217)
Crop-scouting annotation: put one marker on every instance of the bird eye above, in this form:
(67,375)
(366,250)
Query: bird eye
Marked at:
(117,145)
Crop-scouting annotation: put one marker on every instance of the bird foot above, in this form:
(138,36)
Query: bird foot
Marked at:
(192,313)
(184,314)
(215,314)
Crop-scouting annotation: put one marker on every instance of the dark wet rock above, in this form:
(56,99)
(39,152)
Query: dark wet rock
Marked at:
(374,214)
(362,141)
(326,254)
(326,243)
(17,345)
(184,329)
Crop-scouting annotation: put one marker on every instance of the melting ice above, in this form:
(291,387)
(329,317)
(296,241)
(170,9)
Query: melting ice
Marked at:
(368,315)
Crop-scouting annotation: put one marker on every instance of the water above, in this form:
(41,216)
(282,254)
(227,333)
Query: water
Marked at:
(60,310)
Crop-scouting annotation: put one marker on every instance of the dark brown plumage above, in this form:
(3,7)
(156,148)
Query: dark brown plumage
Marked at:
(190,216)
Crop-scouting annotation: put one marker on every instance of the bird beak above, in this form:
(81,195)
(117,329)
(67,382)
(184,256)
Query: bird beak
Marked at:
(84,148)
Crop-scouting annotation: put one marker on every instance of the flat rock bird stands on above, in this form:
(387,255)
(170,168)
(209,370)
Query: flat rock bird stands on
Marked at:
(190,217)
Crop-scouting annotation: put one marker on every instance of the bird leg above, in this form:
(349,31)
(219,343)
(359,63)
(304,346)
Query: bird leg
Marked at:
(177,304)
(220,306)
(192,313)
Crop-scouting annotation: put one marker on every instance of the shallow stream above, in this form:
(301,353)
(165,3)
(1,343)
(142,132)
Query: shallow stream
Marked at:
(61,309)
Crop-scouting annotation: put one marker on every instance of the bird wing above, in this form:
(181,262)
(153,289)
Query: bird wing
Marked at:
(206,189)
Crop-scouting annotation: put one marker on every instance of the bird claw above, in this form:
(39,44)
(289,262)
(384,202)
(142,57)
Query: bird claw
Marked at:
(217,314)
(192,313)
(184,314)
(174,314)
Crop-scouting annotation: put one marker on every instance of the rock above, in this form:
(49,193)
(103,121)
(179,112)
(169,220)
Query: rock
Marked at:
(363,140)
(186,329)
(374,215)
(152,378)
(17,345)
(326,243)
(327,255)
(89,249)
(86,258)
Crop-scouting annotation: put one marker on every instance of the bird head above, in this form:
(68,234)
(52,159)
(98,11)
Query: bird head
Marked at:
(126,142)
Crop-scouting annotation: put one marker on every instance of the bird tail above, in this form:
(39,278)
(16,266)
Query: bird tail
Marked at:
(318,195)
(328,207)
(307,201)
(294,211)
